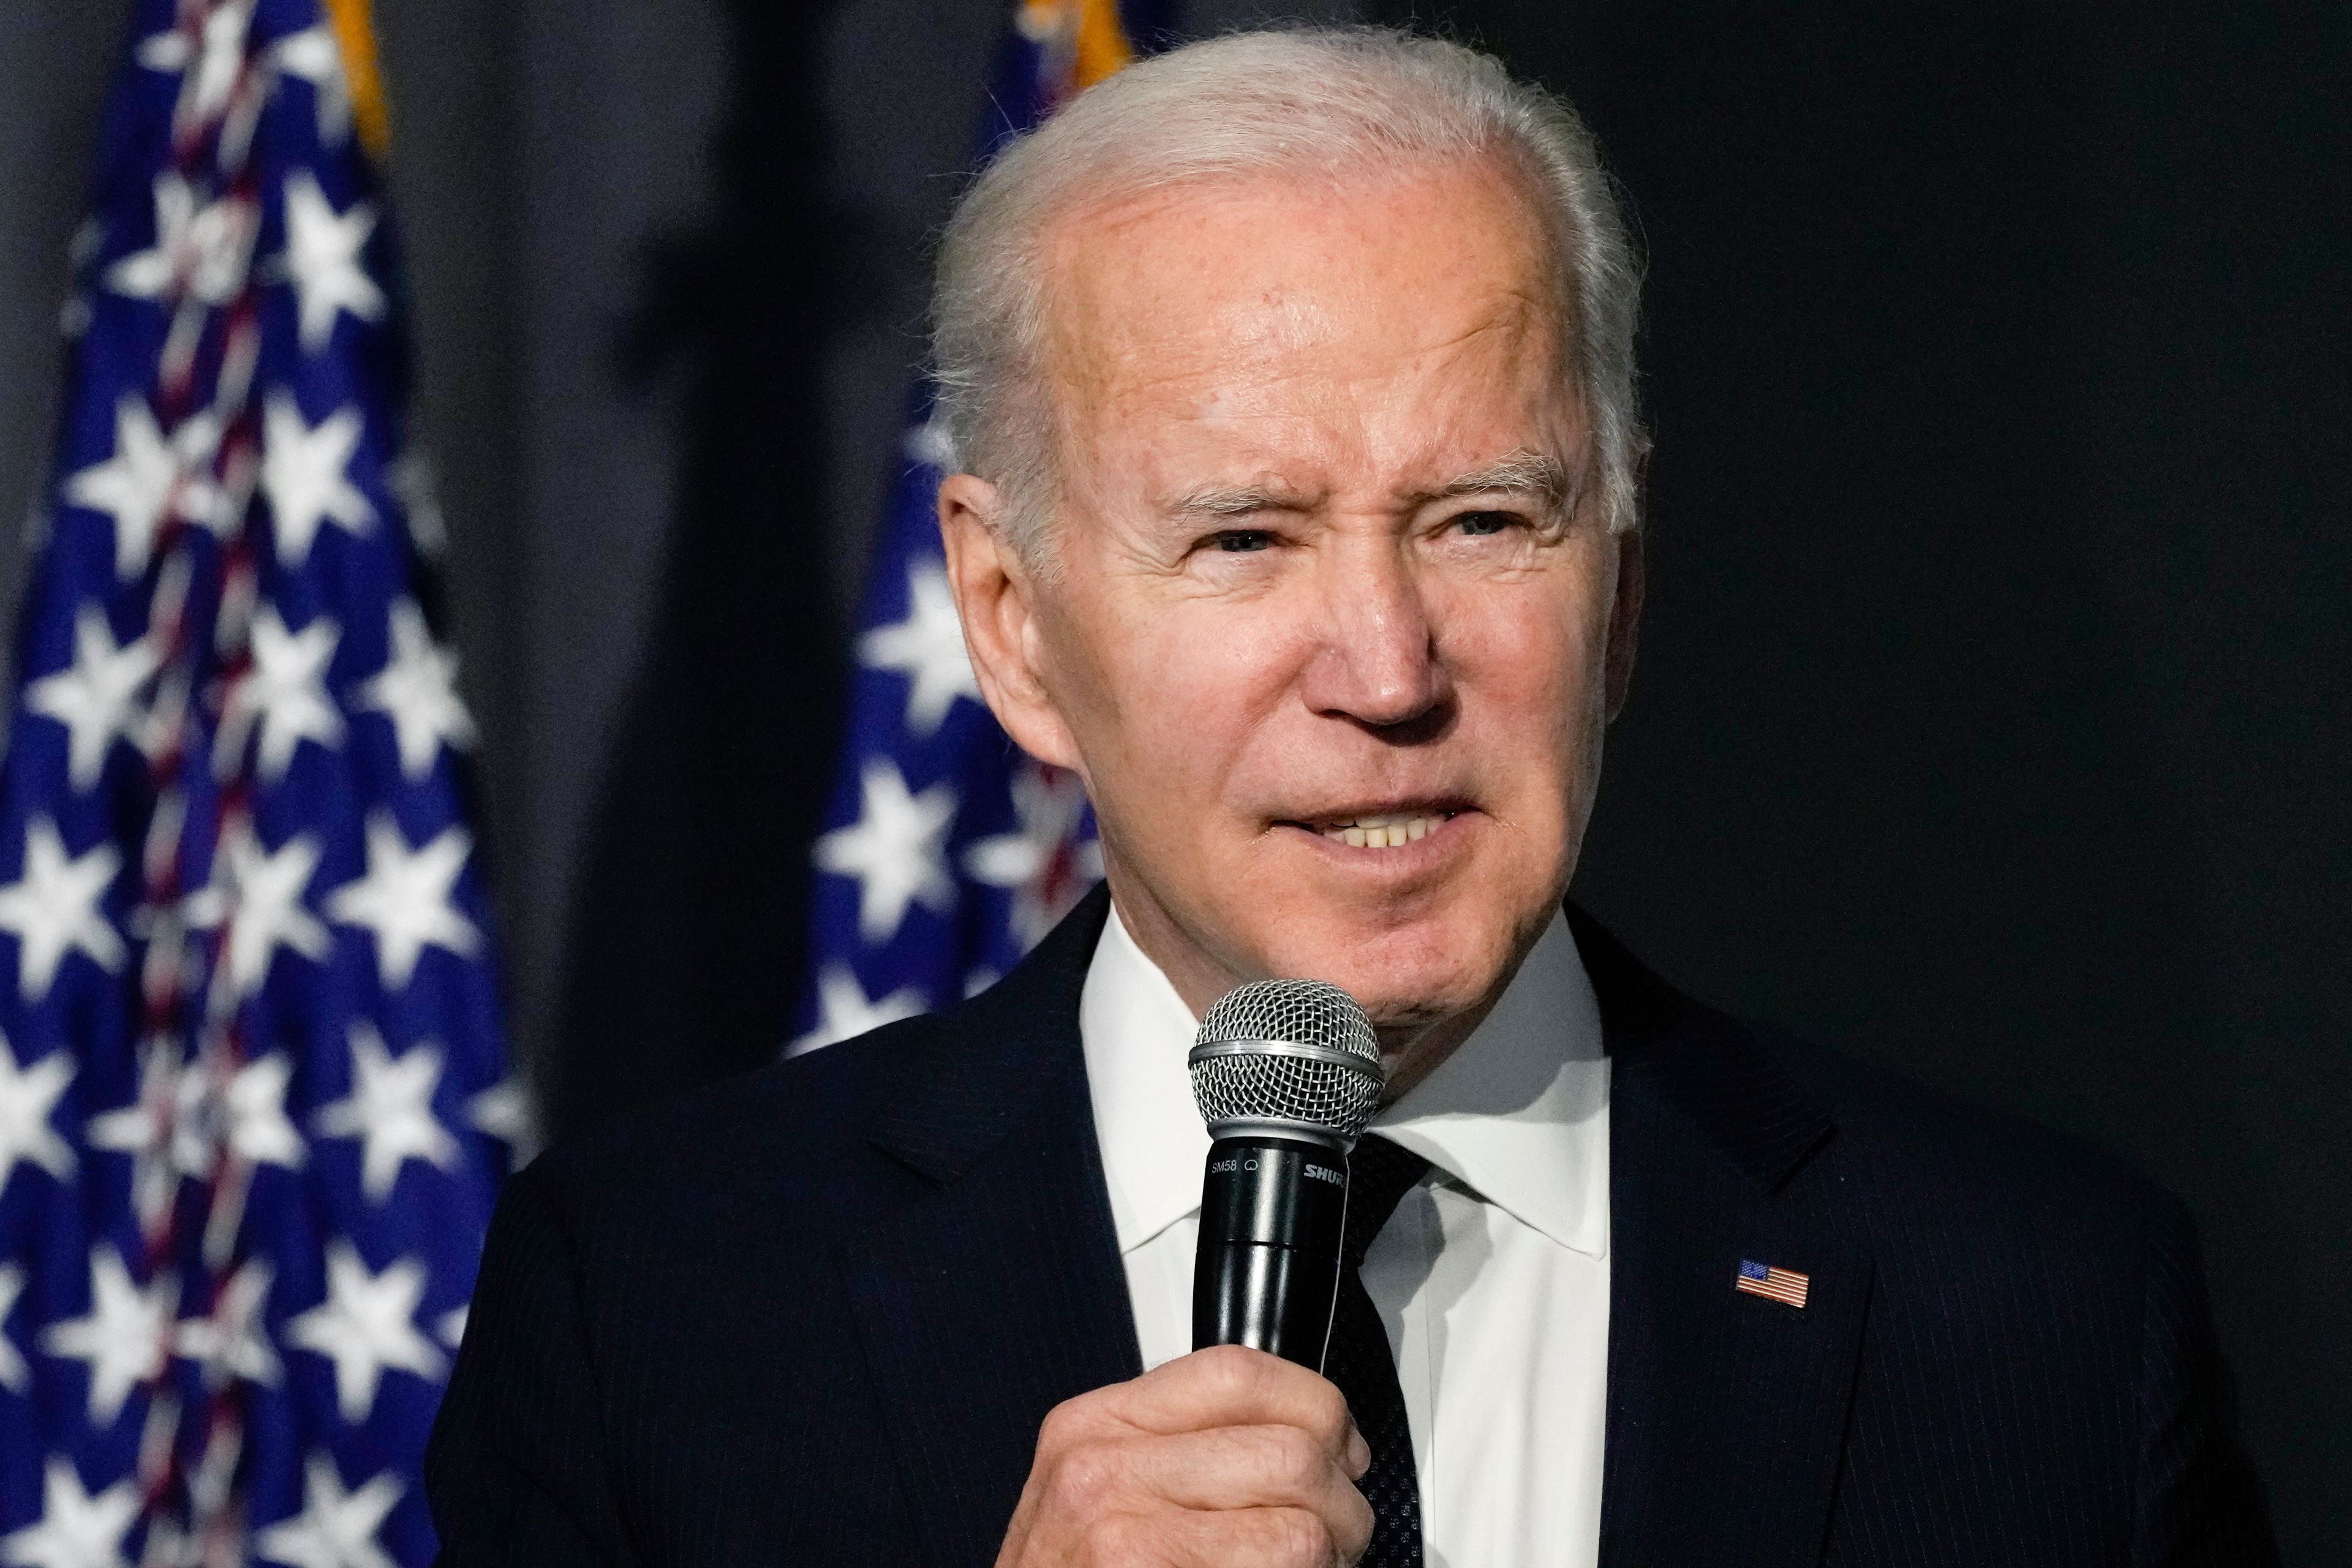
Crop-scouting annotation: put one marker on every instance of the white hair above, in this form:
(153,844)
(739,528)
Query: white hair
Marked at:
(1310,100)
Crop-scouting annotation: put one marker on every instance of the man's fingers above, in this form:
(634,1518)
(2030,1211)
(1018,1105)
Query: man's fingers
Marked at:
(1233,1385)
(1226,1458)
(1252,1538)
(1257,1468)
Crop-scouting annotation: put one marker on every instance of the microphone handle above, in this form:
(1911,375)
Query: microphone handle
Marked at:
(1267,1274)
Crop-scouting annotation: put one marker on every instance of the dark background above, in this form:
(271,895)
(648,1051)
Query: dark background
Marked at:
(1991,720)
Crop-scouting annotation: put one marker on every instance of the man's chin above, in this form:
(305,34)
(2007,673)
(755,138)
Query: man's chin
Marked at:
(1407,979)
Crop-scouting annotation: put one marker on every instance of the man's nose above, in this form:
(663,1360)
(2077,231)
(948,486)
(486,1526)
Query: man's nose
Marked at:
(1377,659)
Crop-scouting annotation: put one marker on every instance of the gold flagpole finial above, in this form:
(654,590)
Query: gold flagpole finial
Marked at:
(355,38)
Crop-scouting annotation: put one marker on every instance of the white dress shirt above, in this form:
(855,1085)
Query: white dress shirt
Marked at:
(1492,1276)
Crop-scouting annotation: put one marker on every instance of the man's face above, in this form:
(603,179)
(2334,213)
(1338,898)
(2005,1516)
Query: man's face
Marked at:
(1328,637)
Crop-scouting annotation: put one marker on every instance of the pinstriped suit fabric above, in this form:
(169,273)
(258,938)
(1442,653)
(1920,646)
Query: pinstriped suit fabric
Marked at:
(2006,1346)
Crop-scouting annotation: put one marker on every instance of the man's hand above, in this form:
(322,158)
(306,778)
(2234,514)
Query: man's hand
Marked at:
(1227,1457)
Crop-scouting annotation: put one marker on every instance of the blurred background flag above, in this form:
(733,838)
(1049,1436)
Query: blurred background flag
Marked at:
(948,852)
(253,1105)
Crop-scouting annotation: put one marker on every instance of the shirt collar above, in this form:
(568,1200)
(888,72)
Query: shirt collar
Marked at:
(1519,1113)
(1136,1032)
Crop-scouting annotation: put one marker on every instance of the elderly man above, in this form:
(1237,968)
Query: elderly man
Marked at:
(1291,379)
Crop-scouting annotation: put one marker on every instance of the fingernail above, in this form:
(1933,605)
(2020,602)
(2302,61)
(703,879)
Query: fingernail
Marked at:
(1359,1454)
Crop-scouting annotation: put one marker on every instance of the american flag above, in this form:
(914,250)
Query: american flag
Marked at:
(253,1111)
(948,852)
(1784,1285)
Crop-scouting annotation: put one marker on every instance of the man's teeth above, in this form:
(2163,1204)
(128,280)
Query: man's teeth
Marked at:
(1385,832)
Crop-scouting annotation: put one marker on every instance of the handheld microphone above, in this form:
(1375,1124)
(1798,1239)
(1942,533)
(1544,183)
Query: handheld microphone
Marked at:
(1288,1074)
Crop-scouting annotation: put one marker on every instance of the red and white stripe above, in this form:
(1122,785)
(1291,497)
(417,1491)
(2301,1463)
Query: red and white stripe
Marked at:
(1784,1285)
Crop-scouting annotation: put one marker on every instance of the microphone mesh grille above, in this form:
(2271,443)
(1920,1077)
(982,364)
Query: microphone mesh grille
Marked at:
(1253,1088)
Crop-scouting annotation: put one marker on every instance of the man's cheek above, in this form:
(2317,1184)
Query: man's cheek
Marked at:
(1542,656)
(1189,688)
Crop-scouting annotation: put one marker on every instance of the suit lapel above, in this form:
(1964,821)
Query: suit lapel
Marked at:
(1727,1410)
(987,1286)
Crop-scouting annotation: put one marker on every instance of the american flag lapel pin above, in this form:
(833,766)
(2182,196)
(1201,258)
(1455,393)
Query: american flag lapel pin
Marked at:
(1784,1285)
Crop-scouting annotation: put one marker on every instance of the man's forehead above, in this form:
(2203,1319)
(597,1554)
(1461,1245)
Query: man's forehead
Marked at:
(1255,276)
(1288,342)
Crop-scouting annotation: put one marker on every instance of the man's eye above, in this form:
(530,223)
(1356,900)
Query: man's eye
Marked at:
(1239,541)
(1479,523)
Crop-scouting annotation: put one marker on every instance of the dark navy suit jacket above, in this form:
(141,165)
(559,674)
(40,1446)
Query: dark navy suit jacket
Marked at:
(814,1316)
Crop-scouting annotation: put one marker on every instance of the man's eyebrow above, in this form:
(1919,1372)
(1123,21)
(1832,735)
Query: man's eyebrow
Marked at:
(1522,473)
(1235,500)
(1525,473)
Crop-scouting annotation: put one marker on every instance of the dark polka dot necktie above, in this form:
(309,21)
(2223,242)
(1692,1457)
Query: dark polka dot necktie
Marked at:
(1360,1363)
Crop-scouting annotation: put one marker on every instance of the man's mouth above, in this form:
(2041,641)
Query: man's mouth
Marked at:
(1383,830)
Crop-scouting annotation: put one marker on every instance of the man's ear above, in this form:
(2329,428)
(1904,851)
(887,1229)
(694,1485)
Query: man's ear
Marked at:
(1626,618)
(996,596)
